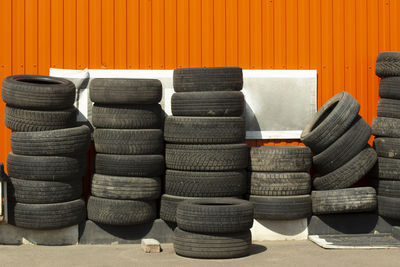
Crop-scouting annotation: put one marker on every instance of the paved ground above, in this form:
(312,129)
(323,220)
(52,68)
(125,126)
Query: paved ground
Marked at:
(276,253)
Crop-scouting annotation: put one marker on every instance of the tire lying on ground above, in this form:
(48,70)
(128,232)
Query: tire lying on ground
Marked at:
(387,168)
(386,127)
(389,188)
(388,64)
(387,147)
(389,88)
(389,108)
(389,207)
(349,200)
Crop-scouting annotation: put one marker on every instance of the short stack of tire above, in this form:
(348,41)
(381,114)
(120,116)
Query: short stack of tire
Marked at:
(48,157)
(280,183)
(129,143)
(386,128)
(206,155)
(338,138)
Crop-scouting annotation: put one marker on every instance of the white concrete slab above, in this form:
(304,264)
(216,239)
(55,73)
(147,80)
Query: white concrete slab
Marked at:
(267,230)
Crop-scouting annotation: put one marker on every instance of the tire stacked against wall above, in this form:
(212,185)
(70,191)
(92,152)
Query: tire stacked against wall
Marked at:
(48,157)
(338,138)
(280,183)
(386,128)
(206,155)
(129,144)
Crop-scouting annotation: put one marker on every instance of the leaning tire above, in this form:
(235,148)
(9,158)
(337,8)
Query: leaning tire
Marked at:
(387,147)
(386,127)
(389,207)
(388,64)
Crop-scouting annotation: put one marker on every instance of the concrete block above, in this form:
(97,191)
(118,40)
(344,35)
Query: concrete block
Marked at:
(264,230)
(396,232)
(12,235)
(150,245)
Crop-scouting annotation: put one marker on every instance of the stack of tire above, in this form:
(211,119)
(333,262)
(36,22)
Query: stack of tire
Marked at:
(386,128)
(206,155)
(338,138)
(217,228)
(48,159)
(129,143)
(280,183)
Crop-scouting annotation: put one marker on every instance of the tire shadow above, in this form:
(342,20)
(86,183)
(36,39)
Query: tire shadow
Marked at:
(257,249)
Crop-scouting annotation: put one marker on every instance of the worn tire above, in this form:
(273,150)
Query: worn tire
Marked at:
(389,108)
(389,207)
(206,157)
(386,127)
(280,183)
(208,104)
(280,159)
(388,64)
(330,122)
(204,130)
(121,91)
(389,188)
(387,147)
(281,207)
(212,246)
(128,142)
(349,200)
(387,168)
(389,88)
(120,212)
(38,92)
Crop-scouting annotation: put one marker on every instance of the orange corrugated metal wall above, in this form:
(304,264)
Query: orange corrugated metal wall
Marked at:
(339,38)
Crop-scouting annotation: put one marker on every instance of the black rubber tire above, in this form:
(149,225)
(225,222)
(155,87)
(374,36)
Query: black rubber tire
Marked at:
(128,142)
(126,117)
(349,200)
(386,127)
(212,246)
(389,108)
(38,92)
(389,207)
(280,183)
(208,79)
(23,120)
(281,207)
(130,165)
(208,104)
(69,141)
(387,147)
(217,215)
(389,87)
(46,168)
(344,148)
(389,188)
(204,130)
(280,159)
(47,216)
(388,64)
(120,212)
(205,184)
(43,192)
(330,122)
(387,168)
(123,91)
(120,187)
(348,174)
(206,157)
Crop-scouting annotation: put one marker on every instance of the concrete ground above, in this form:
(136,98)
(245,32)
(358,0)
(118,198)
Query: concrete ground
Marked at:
(274,253)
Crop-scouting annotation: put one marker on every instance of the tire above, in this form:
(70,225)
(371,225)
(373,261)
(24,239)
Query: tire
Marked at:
(206,157)
(388,188)
(330,122)
(205,184)
(38,92)
(349,200)
(386,127)
(70,141)
(208,79)
(389,88)
(282,207)
(119,187)
(280,159)
(130,165)
(343,149)
(349,173)
(388,64)
(47,216)
(46,168)
(126,117)
(389,207)
(208,104)
(23,120)
(387,147)
(128,142)
(215,215)
(212,246)
(387,168)
(120,212)
(204,130)
(44,192)
(280,183)
(389,108)
(122,91)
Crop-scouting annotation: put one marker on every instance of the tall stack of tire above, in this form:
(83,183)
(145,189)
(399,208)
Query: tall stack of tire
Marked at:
(129,143)
(47,161)
(386,128)
(338,138)
(206,155)
(280,183)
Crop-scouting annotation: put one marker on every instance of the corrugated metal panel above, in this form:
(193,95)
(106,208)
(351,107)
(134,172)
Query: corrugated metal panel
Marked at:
(339,38)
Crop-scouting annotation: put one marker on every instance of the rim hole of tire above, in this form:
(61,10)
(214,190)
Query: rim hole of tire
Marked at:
(324,115)
(38,81)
